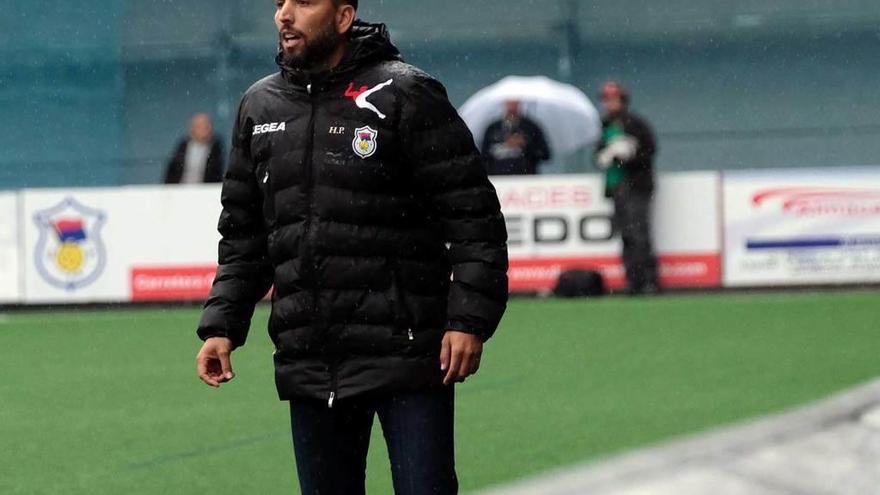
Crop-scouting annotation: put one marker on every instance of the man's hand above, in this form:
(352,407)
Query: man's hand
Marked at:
(460,356)
(516,140)
(213,362)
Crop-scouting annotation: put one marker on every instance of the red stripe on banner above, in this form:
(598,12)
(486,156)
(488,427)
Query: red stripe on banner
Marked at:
(676,271)
(193,283)
(184,283)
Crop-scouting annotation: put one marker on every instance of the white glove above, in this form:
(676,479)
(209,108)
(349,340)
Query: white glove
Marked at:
(605,158)
(621,148)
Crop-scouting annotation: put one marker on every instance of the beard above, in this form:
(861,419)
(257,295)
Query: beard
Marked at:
(315,53)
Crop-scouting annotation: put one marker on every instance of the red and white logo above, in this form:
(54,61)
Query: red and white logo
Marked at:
(821,201)
(360,96)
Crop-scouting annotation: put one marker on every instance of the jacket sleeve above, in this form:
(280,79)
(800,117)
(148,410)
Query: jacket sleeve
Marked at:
(490,139)
(174,169)
(540,149)
(487,140)
(641,130)
(600,145)
(448,170)
(214,167)
(244,274)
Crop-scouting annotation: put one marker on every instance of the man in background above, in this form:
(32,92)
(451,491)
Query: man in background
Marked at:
(198,158)
(626,153)
(514,145)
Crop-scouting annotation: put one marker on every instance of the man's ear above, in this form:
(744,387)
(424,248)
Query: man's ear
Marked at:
(345,16)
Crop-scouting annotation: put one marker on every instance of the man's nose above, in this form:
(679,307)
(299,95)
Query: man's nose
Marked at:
(285,13)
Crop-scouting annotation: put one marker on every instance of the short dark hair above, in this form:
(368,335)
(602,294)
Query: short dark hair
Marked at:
(353,3)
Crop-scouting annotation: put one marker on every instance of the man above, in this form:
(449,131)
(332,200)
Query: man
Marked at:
(626,153)
(356,189)
(514,145)
(199,157)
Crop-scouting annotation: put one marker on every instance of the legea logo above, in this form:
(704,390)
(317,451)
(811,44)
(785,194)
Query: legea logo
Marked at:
(820,201)
(267,128)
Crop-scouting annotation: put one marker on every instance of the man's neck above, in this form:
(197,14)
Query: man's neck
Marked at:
(333,61)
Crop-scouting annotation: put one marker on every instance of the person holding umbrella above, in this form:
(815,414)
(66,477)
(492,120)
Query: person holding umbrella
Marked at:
(626,154)
(514,144)
(518,105)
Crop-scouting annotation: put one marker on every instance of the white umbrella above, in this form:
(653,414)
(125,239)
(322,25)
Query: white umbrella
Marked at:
(567,117)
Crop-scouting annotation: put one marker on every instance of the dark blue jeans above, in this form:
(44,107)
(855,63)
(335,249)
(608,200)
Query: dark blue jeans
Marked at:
(331,444)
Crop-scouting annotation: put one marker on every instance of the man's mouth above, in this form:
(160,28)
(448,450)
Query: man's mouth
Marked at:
(291,40)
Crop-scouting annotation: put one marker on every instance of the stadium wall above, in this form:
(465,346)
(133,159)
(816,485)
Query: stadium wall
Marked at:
(97,92)
(712,230)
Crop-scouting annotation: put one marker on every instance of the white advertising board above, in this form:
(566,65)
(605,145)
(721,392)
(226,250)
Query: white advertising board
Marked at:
(10,269)
(802,227)
(556,223)
(118,245)
(160,243)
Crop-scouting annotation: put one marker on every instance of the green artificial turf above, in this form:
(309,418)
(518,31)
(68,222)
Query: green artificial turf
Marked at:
(107,402)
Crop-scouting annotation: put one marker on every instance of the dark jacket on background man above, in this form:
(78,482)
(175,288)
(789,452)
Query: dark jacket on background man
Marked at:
(360,195)
(629,182)
(213,167)
(637,173)
(502,159)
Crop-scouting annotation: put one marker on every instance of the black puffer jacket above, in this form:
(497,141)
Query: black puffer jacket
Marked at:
(359,193)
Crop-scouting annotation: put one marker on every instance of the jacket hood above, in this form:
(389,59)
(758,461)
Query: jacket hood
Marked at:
(368,44)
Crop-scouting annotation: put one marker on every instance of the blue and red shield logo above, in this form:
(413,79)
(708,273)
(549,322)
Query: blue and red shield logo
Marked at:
(69,253)
(364,144)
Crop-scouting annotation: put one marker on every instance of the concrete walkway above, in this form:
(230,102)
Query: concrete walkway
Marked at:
(829,448)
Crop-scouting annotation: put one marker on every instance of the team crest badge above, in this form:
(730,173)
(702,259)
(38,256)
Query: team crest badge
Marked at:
(364,143)
(69,253)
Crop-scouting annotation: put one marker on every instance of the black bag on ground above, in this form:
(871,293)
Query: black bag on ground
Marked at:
(579,283)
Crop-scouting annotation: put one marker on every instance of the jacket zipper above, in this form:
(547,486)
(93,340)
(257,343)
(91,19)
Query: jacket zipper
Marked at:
(268,199)
(310,186)
(402,313)
(333,384)
(310,195)
(310,262)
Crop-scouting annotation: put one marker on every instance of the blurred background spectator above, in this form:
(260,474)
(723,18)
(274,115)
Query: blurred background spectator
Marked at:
(198,157)
(522,121)
(626,154)
(514,145)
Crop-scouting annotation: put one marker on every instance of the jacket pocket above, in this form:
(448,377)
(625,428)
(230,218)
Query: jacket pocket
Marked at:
(264,182)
